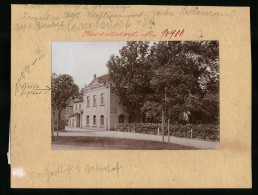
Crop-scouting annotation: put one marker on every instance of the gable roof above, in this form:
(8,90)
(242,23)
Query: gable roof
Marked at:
(70,104)
(101,79)
(78,100)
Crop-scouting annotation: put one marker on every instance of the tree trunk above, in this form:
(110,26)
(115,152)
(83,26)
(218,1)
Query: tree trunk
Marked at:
(59,120)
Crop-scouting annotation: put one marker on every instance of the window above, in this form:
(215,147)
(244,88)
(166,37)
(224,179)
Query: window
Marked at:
(121,119)
(94,120)
(101,120)
(75,107)
(130,119)
(94,100)
(88,101)
(102,99)
(79,107)
(87,120)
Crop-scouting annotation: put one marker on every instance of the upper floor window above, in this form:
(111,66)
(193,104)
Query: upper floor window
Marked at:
(94,100)
(88,100)
(102,99)
(79,107)
(75,107)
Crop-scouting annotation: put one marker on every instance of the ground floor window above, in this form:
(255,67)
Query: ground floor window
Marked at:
(94,120)
(101,120)
(130,119)
(87,120)
(121,118)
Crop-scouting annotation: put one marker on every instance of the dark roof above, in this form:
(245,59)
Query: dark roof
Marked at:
(70,104)
(101,79)
(78,100)
(73,114)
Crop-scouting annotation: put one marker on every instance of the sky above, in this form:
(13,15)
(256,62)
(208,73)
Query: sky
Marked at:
(82,60)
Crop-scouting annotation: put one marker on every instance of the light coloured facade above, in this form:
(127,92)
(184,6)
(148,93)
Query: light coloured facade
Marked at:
(99,109)
(76,115)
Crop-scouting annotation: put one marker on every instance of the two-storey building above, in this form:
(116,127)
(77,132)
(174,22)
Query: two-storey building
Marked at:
(99,108)
(102,109)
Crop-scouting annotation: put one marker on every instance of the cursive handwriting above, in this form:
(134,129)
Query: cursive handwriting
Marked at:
(88,169)
(161,12)
(198,12)
(105,17)
(62,170)
(23,87)
(91,33)
(165,33)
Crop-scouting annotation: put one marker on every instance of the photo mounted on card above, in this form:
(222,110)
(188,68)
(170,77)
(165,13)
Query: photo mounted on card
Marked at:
(146,92)
(130,96)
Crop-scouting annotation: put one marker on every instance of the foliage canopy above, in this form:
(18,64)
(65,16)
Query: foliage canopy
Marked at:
(174,76)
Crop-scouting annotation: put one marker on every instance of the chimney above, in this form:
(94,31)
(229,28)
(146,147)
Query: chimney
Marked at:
(94,76)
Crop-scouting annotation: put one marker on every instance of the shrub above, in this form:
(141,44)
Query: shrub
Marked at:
(200,131)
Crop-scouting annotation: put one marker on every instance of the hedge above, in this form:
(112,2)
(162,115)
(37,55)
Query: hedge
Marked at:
(200,131)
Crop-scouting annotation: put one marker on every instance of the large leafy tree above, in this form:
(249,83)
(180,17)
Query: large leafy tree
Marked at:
(63,90)
(176,77)
(185,78)
(130,75)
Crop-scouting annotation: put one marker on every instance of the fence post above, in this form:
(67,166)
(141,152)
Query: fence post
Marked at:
(191,133)
(158,130)
(115,127)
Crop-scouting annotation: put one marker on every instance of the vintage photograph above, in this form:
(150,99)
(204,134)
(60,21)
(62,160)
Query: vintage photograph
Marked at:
(135,95)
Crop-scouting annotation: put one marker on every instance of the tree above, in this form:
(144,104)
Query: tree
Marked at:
(170,77)
(63,91)
(130,75)
(184,73)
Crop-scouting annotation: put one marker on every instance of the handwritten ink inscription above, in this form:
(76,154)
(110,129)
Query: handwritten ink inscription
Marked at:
(25,88)
(116,17)
(166,33)
(103,17)
(190,11)
(68,170)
